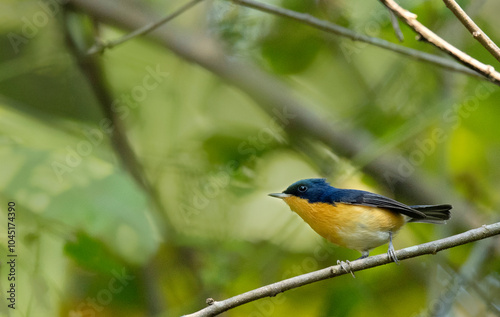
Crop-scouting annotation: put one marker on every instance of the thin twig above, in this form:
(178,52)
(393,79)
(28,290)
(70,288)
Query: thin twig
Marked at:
(476,32)
(217,307)
(411,20)
(344,32)
(395,26)
(99,47)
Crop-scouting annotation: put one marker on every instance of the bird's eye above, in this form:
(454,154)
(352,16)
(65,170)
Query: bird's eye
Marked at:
(302,188)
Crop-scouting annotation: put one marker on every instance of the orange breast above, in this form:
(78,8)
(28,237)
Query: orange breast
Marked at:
(352,226)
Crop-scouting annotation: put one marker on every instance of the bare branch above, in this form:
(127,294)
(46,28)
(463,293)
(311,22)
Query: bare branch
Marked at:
(99,47)
(411,20)
(217,307)
(344,32)
(476,32)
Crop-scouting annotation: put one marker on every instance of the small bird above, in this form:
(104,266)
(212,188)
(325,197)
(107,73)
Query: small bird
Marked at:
(355,219)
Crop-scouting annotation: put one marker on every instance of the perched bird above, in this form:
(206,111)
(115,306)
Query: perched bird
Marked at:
(355,219)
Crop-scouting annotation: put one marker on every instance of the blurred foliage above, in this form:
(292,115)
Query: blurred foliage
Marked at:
(290,48)
(93,242)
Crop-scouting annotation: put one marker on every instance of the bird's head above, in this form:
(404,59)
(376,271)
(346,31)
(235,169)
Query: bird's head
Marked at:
(312,189)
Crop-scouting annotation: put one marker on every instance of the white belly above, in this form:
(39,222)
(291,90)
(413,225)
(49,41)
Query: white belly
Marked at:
(364,240)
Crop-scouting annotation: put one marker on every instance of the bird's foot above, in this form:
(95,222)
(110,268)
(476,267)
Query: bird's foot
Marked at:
(346,266)
(391,253)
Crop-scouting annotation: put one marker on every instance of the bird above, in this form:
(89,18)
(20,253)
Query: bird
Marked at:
(356,219)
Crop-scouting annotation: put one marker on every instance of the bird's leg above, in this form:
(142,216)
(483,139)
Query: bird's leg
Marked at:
(346,266)
(391,252)
(364,254)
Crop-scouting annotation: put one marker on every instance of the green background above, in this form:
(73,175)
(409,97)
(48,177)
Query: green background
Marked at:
(171,207)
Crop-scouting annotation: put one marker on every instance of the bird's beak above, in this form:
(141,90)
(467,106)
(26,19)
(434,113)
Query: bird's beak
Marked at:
(280,195)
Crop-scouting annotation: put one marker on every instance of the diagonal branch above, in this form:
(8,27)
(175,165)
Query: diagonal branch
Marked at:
(217,307)
(344,32)
(99,47)
(475,30)
(411,20)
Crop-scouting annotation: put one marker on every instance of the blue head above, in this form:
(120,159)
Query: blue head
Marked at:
(313,189)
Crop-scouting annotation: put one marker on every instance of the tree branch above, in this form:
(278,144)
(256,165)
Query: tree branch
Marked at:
(344,32)
(99,47)
(411,20)
(217,307)
(476,32)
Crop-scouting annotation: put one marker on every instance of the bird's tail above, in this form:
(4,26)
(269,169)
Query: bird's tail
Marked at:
(434,213)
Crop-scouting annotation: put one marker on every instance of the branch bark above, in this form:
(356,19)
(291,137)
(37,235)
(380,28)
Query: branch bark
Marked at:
(410,19)
(217,307)
(475,30)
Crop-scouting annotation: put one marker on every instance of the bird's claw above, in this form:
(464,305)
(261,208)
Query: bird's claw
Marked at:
(346,266)
(392,255)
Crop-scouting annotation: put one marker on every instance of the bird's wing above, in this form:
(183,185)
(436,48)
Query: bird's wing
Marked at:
(359,197)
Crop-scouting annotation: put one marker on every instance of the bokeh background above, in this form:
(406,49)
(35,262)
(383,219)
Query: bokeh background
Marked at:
(140,177)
